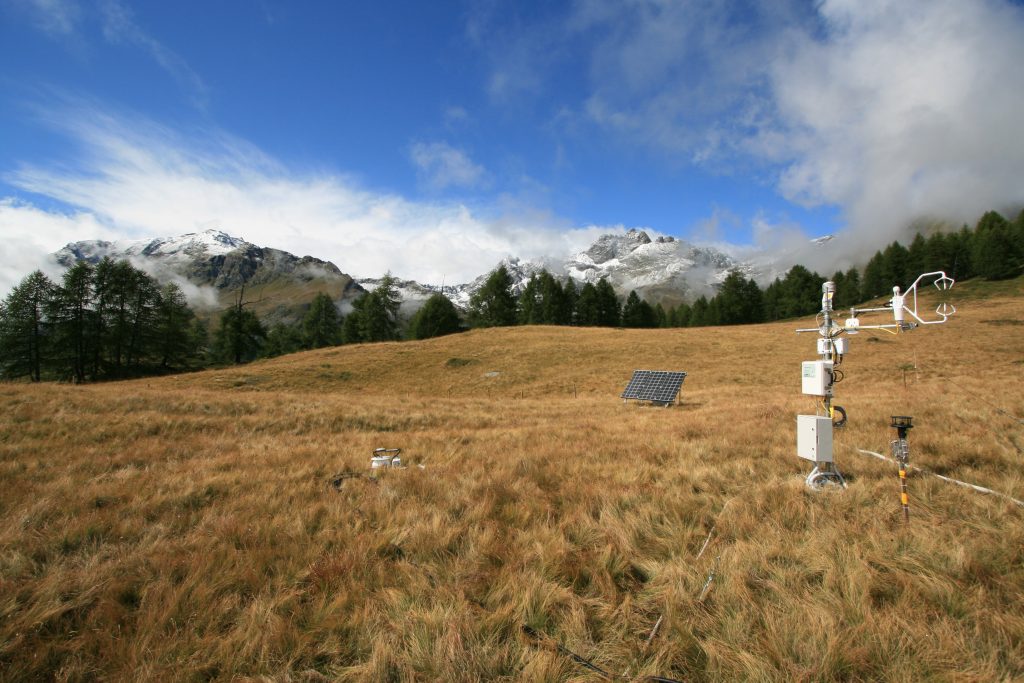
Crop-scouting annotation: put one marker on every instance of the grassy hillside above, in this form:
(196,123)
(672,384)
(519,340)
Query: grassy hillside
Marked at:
(185,528)
(283,300)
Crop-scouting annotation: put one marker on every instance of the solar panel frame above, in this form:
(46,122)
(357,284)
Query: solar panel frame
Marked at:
(656,386)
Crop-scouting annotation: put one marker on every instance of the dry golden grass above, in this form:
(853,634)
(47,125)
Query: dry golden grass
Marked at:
(185,528)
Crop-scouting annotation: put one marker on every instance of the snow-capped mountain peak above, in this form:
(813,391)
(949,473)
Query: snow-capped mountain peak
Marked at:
(193,245)
(209,242)
(212,268)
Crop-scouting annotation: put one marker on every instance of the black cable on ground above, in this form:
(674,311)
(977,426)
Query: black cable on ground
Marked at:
(536,635)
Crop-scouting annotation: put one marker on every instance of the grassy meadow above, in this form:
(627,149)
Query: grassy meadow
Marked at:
(185,528)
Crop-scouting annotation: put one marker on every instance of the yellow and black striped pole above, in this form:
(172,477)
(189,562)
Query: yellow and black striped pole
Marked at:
(901,451)
(903,493)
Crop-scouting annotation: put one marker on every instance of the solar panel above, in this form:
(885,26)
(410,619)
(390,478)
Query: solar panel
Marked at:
(656,386)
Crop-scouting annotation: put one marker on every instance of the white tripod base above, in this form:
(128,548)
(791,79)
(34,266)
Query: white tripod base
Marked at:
(824,475)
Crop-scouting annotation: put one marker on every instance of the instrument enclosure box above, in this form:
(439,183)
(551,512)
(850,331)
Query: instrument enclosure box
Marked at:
(814,438)
(816,377)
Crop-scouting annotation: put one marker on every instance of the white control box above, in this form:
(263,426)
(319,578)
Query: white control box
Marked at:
(814,438)
(817,377)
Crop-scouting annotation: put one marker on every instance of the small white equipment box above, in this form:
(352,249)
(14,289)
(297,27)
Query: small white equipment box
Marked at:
(817,377)
(814,438)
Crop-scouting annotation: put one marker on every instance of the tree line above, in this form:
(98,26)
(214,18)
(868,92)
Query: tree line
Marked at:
(106,321)
(112,320)
(993,250)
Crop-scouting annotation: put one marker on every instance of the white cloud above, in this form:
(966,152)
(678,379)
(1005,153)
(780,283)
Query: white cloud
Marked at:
(119,27)
(131,178)
(456,116)
(904,110)
(442,166)
(58,18)
(30,233)
(891,110)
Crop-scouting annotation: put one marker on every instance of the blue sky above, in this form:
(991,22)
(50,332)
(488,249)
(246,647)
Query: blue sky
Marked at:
(434,138)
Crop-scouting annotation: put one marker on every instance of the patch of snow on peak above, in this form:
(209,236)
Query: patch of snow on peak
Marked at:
(207,243)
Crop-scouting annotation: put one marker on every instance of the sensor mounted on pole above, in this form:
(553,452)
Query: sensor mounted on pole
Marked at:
(819,377)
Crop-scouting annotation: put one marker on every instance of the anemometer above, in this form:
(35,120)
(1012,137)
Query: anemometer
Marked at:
(818,377)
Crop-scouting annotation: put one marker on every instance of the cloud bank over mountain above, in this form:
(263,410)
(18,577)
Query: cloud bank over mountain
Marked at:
(891,110)
(133,178)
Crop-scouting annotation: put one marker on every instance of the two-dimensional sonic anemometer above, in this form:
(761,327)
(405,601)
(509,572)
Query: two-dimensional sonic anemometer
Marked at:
(814,432)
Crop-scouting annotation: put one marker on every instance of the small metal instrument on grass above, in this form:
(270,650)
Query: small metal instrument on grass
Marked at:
(901,452)
(386,457)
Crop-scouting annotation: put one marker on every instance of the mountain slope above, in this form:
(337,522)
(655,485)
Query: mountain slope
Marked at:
(664,270)
(212,268)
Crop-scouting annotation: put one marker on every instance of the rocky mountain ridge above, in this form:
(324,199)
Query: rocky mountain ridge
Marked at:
(212,268)
(664,270)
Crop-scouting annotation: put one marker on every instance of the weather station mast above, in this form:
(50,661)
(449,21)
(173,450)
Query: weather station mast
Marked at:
(819,377)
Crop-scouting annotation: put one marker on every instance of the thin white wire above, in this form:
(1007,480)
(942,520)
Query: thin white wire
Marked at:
(980,489)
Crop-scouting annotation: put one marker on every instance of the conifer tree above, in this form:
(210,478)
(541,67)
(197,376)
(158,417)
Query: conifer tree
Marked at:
(682,315)
(493,305)
(849,295)
(799,293)
(553,305)
(632,311)
(570,297)
(378,312)
(770,300)
(698,312)
(917,257)
(873,282)
(894,267)
(438,317)
(660,316)
(284,339)
(712,316)
(529,304)
(753,302)
(321,326)
(120,288)
(961,252)
(608,312)
(587,309)
(995,256)
(638,313)
(739,300)
(351,326)
(240,336)
(142,310)
(177,340)
(71,312)
(937,254)
(24,328)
